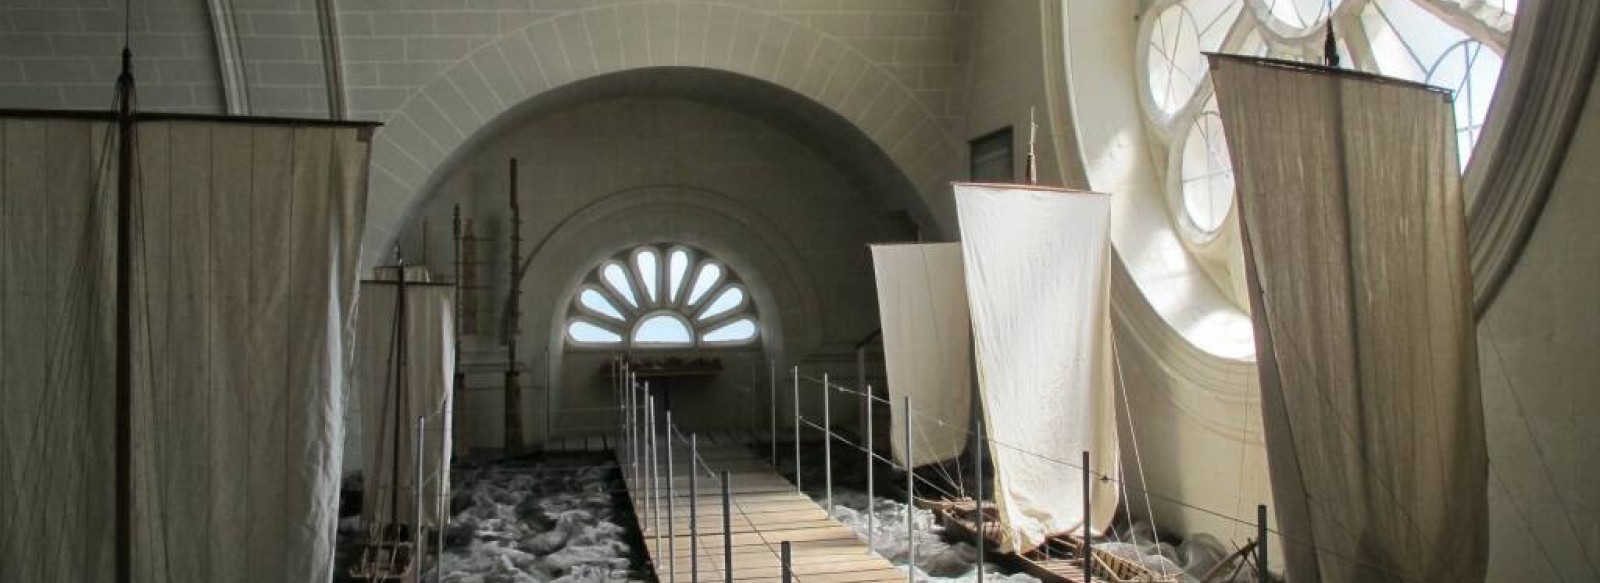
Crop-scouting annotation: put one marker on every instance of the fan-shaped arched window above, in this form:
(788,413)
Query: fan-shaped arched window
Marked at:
(662,296)
(1455,44)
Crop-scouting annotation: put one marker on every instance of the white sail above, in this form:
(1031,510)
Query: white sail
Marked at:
(245,243)
(1037,266)
(430,378)
(1351,204)
(57,286)
(927,347)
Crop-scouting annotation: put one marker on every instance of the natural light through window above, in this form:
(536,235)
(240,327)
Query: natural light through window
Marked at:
(1455,44)
(663,297)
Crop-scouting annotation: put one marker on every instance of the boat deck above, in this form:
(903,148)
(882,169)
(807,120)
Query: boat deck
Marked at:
(1062,564)
(766,510)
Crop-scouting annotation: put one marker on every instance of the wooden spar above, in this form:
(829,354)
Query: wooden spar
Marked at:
(401,400)
(956,517)
(1241,555)
(124,412)
(387,554)
(469,279)
(513,432)
(458,377)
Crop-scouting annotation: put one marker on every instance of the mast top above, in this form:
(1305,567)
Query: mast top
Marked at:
(1032,170)
(1330,42)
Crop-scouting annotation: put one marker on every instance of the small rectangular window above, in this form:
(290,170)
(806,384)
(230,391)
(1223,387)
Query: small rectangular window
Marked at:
(990,158)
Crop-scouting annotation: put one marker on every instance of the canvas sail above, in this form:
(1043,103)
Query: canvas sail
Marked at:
(57,287)
(1037,267)
(245,245)
(430,371)
(1355,252)
(922,304)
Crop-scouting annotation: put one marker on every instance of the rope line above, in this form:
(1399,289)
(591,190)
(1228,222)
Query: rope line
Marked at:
(1146,492)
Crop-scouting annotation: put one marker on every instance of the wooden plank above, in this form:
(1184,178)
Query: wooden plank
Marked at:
(766,511)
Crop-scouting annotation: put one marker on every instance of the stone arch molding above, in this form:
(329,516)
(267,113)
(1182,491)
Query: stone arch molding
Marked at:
(466,98)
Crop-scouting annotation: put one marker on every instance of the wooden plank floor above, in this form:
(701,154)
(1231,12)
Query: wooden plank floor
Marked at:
(766,511)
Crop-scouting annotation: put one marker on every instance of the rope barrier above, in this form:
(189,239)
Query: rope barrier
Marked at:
(1104,477)
(1123,484)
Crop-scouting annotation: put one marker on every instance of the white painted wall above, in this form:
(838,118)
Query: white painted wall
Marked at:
(600,177)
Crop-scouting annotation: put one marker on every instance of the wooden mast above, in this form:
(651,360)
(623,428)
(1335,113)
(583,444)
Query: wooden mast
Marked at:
(459,376)
(124,373)
(513,433)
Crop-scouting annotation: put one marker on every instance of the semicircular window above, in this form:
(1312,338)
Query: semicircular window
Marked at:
(662,297)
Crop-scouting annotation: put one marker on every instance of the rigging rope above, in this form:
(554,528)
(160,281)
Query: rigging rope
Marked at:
(1538,450)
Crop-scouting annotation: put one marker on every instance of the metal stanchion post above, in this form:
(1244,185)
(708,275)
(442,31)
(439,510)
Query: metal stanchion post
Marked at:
(694,509)
(727,529)
(655,470)
(1262,575)
(827,441)
(1088,529)
(672,528)
(633,430)
(549,400)
(977,467)
(416,486)
(797,488)
(870,500)
(911,501)
(650,458)
(772,403)
(786,557)
(441,516)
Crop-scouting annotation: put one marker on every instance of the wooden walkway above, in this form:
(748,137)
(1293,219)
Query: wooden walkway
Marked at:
(766,510)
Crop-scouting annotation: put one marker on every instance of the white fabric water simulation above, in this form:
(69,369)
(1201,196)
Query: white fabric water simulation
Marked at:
(922,304)
(1037,266)
(1356,265)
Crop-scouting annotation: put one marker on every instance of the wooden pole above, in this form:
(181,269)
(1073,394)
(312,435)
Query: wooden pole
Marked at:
(1088,529)
(124,395)
(870,461)
(911,501)
(772,403)
(797,488)
(977,495)
(787,557)
(694,512)
(672,528)
(513,397)
(727,529)
(1262,574)
(458,376)
(827,441)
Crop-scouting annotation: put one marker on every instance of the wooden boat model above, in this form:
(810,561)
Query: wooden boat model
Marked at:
(1060,560)
(390,556)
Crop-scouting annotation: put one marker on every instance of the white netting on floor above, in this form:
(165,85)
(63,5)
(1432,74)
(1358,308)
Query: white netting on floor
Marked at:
(535,524)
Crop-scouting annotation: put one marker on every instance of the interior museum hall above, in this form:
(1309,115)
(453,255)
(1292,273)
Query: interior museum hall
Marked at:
(815,291)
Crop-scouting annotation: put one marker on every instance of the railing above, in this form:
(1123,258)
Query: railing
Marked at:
(639,454)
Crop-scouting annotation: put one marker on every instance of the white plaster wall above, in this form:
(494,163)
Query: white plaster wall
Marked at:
(451,86)
(67,54)
(603,176)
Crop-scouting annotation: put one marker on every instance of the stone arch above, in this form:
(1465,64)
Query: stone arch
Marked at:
(470,96)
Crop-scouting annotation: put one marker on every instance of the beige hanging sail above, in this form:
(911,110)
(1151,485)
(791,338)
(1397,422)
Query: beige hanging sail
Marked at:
(927,346)
(428,391)
(1350,199)
(1037,267)
(245,235)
